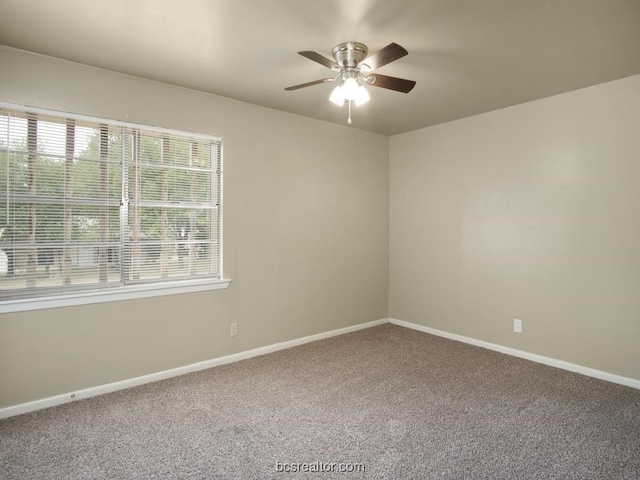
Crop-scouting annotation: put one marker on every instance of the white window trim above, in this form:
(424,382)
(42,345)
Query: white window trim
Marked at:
(129,292)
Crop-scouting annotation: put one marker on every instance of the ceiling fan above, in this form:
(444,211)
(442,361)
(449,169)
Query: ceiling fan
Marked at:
(354,70)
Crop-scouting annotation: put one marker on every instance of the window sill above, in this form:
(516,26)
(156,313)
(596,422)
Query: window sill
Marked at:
(129,292)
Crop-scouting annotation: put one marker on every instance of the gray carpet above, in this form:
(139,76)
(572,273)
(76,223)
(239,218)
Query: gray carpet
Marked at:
(401,403)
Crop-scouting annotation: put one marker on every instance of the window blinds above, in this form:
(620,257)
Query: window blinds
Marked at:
(90,203)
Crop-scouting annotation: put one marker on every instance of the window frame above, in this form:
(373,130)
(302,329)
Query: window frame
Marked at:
(124,291)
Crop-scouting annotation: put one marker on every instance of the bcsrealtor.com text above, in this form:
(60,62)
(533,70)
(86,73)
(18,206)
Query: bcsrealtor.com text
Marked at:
(319,467)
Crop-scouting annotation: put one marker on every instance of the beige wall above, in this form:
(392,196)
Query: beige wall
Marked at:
(531,212)
(305,231)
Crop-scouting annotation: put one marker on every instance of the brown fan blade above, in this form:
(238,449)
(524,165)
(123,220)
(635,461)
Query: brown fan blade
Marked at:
(316,57)
(309,84)
(392,83)
(388,54)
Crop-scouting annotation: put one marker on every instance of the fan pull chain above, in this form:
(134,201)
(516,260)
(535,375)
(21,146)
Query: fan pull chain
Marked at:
(349,119)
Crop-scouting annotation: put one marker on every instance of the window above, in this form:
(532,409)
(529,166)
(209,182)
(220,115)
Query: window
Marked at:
(93,205)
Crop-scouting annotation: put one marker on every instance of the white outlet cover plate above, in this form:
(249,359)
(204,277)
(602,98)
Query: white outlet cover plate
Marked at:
(517,325)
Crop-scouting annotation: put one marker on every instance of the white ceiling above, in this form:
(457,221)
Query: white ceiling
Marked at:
(467,56)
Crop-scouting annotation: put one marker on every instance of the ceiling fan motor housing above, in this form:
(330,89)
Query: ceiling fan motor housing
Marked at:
(349,54)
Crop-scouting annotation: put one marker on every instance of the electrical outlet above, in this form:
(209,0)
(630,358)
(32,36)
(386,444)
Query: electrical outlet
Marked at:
(517,325)
(234,329)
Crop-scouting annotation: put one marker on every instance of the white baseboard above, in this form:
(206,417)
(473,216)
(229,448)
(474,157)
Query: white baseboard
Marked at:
(572,367)
(194,367)
(174,372)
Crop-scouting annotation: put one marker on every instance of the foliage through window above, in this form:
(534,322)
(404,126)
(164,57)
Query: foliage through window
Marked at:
(92,204)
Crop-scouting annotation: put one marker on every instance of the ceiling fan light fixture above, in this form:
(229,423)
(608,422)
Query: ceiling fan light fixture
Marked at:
(362,96)
(337,96)
(350,91)
(350,87)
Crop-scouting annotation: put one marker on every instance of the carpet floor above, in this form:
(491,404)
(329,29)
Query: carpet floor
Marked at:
(385,402)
